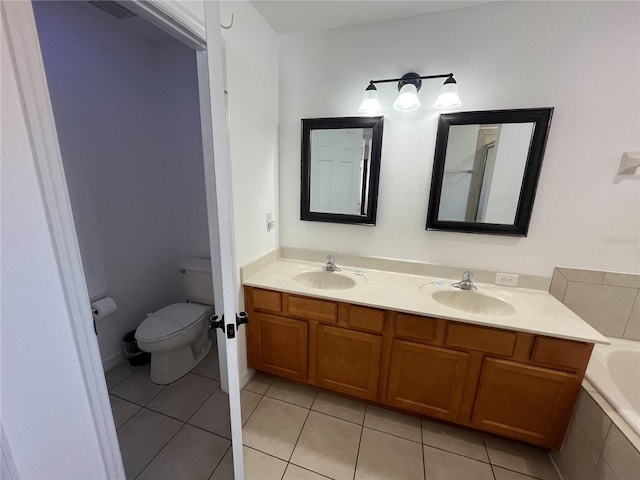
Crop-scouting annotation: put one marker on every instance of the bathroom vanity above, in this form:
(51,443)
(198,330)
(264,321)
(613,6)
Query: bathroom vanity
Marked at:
(479,372)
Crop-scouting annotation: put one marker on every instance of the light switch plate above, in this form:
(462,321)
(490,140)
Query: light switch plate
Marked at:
(507,279)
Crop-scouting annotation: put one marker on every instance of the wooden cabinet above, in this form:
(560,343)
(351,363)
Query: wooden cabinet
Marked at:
(281,346)
(516,384)
(348,361)
(427,379)
(525,402)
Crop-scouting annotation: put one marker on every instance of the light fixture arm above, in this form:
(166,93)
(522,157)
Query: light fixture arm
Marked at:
(411,77)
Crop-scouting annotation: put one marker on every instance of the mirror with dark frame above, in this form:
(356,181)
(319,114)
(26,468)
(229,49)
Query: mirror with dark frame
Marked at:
(340,169)
(485,170)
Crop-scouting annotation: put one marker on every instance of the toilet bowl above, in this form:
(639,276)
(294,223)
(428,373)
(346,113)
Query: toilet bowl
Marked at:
(177,335)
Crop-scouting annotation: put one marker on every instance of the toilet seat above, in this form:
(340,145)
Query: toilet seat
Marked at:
(174,319)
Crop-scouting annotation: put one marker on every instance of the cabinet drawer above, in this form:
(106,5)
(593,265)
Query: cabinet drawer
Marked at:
(266,300)
(415,327)
(562,353)
(489,340)
(312,309)
(364,318)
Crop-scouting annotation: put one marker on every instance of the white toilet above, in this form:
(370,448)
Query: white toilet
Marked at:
(177,335)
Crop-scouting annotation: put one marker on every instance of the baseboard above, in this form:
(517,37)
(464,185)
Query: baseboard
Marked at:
(112,361)
(246,376)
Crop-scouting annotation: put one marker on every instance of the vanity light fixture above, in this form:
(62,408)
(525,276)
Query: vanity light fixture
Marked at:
(409,86)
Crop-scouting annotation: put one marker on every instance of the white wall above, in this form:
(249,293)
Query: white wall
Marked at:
(129,128)
(251,50)
(583,58)
(45,406)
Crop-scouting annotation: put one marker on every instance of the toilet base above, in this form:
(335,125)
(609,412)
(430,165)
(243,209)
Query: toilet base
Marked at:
(167,367)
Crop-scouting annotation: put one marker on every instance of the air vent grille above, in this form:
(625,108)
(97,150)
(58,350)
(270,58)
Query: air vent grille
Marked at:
(113,8)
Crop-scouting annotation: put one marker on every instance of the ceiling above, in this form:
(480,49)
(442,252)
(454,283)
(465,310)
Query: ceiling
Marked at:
(289,16)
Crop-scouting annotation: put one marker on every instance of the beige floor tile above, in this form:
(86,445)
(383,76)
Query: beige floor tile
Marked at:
(122,410)
(260,466)
(620,455)
(224,470)
(183,397)
(209,366)
(119,373)
(248,403)
(213,415)
(301,395)
(388,421)
(192,454)
(383,456)
(259,383)
(274,427)
(294,472)
(138,387)
(454,439)
(328,445)
(520,458)
(339,406)
(142,437)
(441,465)
(578,458)
(504,474)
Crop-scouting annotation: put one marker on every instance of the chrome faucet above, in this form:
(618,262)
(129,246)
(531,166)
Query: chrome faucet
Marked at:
(466,283)
(331,266)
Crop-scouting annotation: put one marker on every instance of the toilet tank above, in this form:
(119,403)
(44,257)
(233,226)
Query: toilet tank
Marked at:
(196,278)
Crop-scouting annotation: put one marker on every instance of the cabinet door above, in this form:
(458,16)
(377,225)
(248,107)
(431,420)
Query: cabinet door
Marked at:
(281,346)
(348,361)
(426,379)
(525,402)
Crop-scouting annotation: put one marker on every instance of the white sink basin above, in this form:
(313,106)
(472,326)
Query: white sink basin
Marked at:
(473,302)
(325,280)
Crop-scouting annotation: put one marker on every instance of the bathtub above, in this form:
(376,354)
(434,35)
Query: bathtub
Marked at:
(614,371)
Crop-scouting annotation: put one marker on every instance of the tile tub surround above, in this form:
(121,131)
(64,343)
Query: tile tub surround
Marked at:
(536,310)
(599,445)
(608,301)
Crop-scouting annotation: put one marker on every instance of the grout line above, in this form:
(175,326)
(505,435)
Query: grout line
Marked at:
(160,450)
(394,435)
(307,469)
(221,459)
(305,422)
(493,472)
(355,468)
(626,325)
(424,462)
(201,404)
(205,376)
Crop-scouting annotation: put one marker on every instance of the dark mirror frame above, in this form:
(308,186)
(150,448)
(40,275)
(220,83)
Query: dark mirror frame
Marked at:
(541,117)
(309,124)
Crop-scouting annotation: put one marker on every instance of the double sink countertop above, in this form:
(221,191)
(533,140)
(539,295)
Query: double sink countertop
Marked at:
(534,311)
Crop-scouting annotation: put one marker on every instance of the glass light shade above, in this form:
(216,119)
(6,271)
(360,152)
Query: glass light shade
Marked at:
(370,103)
(448,97)
(407,100)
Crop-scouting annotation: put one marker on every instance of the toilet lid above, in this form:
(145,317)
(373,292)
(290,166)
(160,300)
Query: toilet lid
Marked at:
(169,320)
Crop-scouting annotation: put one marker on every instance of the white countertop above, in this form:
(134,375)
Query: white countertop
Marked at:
(536,311)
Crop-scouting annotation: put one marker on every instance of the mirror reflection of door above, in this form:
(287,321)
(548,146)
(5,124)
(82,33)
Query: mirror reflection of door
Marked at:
(484,171)
(339,160)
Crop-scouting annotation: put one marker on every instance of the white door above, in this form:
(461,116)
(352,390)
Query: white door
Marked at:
(221,176)
(336,170)
(40,124)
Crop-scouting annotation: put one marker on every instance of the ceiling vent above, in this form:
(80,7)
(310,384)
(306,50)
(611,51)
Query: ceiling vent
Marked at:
(114,9)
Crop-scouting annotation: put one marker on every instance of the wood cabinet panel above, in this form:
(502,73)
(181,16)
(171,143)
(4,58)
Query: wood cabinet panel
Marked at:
(525,402)
(282,346)
(562,353)
(312,309)
(415,327)
(267,300)
(483,339)
(348,361)
(365,318)
(427,379)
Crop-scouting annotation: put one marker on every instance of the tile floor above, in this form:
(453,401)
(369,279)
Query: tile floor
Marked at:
(291,432)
